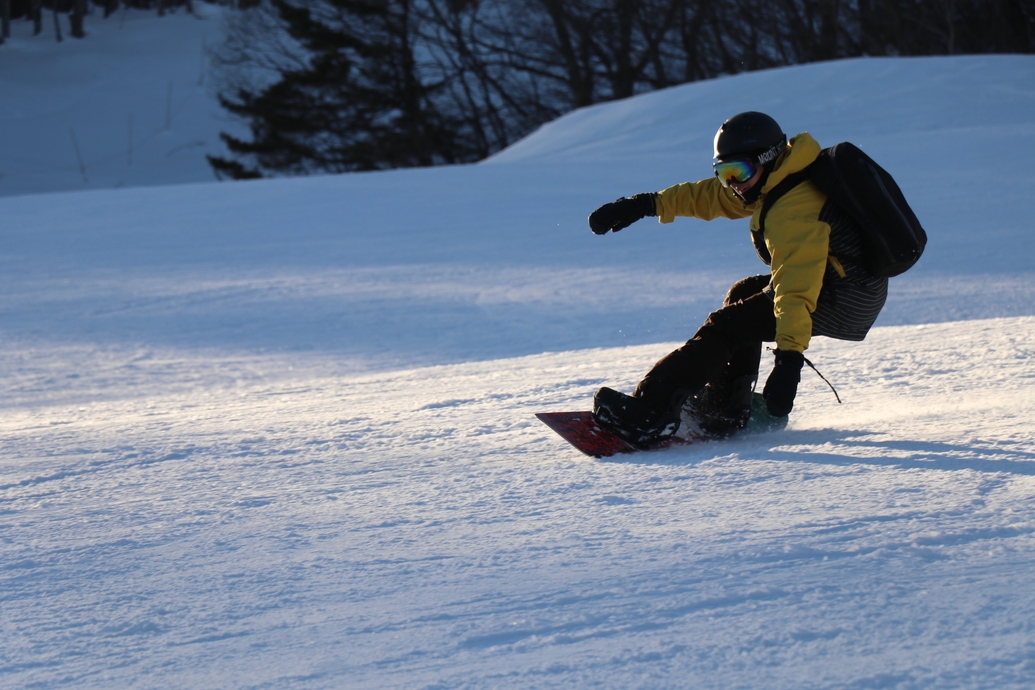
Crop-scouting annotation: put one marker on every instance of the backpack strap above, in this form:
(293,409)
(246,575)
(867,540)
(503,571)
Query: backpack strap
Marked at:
(774,194)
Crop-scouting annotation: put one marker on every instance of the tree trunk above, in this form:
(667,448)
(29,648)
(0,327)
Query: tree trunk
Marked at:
(76,17)
(36,12)
(950,27)
(57,28)
(5,19)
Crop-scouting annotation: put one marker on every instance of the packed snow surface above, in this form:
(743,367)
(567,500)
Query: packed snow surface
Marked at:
(280,433)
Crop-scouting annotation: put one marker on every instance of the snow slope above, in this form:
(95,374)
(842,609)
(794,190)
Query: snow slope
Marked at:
(131,104)
(417,528)
(280,433)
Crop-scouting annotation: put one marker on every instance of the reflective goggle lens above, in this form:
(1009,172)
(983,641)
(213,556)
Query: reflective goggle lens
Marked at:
(734,171)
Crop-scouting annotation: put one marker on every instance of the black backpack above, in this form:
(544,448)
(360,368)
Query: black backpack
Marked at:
(892,237)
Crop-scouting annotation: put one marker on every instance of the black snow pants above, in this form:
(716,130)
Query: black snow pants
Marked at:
(729,344)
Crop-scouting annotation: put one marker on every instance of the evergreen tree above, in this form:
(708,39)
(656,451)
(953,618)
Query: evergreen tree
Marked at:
(360,102)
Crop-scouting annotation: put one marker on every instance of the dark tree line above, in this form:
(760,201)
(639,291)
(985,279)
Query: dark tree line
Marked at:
(76,11)
(369,84)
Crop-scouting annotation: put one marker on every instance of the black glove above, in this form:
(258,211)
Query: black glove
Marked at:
(782,384)
(622,213)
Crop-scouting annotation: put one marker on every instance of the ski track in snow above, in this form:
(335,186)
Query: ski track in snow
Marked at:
(282,527)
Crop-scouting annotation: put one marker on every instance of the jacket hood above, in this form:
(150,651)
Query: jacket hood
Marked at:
(801,151)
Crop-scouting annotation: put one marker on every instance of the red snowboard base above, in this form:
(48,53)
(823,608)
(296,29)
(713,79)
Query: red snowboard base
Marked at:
(579,429)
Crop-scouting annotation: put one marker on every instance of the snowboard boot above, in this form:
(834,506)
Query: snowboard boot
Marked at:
(722,410)
(632,419)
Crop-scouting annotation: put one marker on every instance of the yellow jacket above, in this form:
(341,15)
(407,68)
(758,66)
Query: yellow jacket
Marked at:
(797,240)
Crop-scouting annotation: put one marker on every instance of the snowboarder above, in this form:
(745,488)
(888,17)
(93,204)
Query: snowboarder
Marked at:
(816,286)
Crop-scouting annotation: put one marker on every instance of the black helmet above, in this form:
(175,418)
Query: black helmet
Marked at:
(750,134)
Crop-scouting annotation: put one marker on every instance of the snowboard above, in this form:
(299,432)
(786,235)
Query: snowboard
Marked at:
(581,431)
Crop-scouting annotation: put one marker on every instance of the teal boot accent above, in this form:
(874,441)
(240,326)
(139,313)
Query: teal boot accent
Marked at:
(761,420)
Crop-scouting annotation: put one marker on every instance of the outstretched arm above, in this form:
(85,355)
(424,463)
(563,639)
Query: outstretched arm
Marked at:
(706,200)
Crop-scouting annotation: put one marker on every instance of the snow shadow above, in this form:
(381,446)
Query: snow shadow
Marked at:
(841,447)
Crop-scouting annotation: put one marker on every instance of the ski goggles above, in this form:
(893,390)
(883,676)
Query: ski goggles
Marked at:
(737,170)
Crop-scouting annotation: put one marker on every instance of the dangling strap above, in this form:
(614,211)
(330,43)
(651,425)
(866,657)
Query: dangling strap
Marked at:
(813,367)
